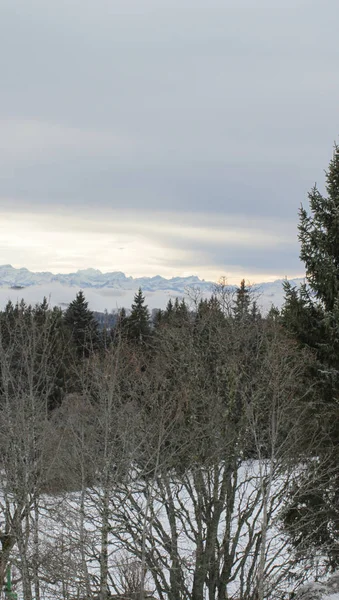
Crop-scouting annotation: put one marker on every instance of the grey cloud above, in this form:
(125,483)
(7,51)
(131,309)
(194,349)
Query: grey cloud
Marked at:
(258,264)
(229,107)
(226,258)
(271,260)
(221,189)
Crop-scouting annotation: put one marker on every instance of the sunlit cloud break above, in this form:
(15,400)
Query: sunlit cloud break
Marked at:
(140,244)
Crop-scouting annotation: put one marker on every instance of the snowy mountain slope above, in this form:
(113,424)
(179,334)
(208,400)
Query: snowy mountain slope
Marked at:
(93,278)
(113,290)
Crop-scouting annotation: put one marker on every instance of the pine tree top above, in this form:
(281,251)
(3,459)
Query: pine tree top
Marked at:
(242,301)
(82,323)
(319,237)
(139,300)
(139,319)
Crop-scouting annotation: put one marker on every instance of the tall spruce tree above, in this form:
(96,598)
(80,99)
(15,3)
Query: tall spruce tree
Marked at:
(183,312)
(302,316)
(242,302)
(139,320)
(311,313)
(169,311)
(319,237)
(80,321)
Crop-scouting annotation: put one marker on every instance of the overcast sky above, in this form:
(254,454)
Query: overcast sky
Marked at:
(167,137)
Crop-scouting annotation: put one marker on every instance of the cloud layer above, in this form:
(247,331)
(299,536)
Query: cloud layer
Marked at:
(187,133)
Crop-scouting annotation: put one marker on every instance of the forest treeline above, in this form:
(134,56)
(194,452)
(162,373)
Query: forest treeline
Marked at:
(189,455)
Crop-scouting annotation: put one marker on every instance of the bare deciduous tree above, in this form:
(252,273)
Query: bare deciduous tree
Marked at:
(212,513)
(27,376)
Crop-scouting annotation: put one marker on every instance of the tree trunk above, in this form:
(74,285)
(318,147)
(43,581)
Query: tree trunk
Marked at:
(84,569)
(36,550)
(104,546)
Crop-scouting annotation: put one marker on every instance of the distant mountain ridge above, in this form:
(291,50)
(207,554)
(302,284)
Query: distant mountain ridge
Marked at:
(114,290)
(95,279)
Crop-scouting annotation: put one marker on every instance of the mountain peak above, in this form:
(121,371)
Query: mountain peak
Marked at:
(89,271)
(115,280)
(92,278)
(114,286)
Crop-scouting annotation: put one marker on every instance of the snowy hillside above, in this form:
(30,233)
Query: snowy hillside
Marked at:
(112,290)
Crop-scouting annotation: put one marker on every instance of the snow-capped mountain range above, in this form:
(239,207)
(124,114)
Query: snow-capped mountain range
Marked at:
(112,290)
(93,278)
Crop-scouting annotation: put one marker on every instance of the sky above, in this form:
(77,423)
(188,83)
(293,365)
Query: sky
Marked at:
(170,137)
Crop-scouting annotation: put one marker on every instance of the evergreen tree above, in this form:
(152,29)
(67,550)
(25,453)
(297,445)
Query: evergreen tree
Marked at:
(203,309)
(183,312)
(319,237)
(169,311)
(22,326)
(176,314)
(41,311)
(301,315)
(121,327)
(158,318)
(273,314)
(241,309)
(311,313)
(255,312)
(139,320)
(216,315)
(7,323)
(122,320)
(82,324)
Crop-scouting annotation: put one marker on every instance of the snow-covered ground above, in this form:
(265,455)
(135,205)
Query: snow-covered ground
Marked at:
(70,553)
